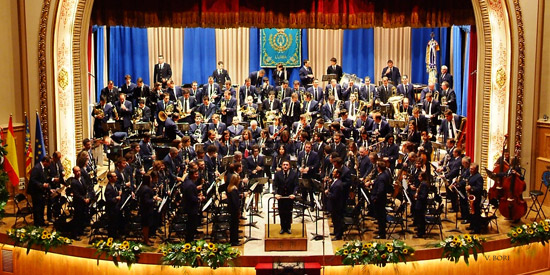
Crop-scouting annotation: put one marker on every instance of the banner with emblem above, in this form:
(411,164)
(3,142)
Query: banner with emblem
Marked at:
(280,46)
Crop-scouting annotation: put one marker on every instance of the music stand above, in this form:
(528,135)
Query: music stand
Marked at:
(227,160)
(316,236)
(142,126)
(110,126)
(252,223)
(329,77)
(183,126)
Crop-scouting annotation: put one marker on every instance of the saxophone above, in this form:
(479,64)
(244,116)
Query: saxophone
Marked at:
(471,200)
(116,113)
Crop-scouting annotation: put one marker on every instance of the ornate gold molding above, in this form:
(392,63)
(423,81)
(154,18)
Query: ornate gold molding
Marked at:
(521,70)
(42,70)
(486,90)
(77,75)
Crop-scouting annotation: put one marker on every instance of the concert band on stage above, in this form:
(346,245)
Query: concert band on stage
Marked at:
(196,155)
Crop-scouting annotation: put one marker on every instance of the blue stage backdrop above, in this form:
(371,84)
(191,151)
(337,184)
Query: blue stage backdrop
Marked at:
(128,54)
(99,32)
(419,42)
(199,54)
(358,52)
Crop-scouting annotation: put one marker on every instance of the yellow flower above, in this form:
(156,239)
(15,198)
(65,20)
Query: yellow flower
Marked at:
(530,231)
(405,251)
(211,246)
(389,245)
(519,230)
(198,249)
(384,256)
(215,249)
(466,236)
(365,245)
(126,243)
(43,236)
(369,245)
(164,253)
(185,250)
(390,249)
(476,237)
(109,242)
(546,228)
(353,251)
(469,240)
(169,249)
(364,252)
(514,234)
(346,252)
(187,246)
(455,239)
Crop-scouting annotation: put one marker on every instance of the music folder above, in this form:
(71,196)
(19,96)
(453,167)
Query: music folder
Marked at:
(329,77)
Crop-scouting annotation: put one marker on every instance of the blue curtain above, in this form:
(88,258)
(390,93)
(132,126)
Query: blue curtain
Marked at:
(466,75)
(99,32)
(358,52)
(419,41)
(254,65)
(456,70)
(128,54)
(199,54)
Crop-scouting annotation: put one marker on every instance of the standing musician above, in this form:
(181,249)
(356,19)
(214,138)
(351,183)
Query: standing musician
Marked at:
(161,106)
(309,164)
(255,168)
(102,113)
(172,166)
(431,110)
(350,89)
(146,152)
(157,94)
(336,203)
(112,205)
(364,164)
(406,89)
(378,197)
(110,93)
(475,188)
(421,199)
(449,95)
(306,74)
(171,130)
(125,111)
(334,89)
(292,112)
(285,184)
(191,199)
(335,69)
(142,112)
(57,174)
(147,199)
(39,189)
(247,90)
(390,151)
(406,107)
(380,128)
(453,171)
(221,75)
(234,201)
(317,94)
(80,202)
(352,106)
(228,107)
(328,110)
(391,72)
(264,90)
(279,75)
(367,92)
(162,71)
(384,91)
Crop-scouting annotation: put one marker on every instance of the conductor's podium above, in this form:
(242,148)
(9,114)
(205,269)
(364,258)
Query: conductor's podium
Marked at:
(285,242)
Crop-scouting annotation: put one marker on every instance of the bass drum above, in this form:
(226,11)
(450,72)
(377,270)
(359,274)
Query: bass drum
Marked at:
(346,78)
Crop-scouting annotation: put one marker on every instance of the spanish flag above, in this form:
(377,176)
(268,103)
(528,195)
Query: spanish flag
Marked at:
(10,161)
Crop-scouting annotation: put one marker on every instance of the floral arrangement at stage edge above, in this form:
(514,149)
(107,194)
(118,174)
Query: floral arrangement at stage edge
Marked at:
(32,235)
(527,233)
(456,246)
(356,252)
(119,251)
(198,253)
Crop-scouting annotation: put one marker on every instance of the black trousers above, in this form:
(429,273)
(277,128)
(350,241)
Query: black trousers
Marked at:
(381,218)
(337,222)
(285,213)
(234,227)
(38,205)
(476,218)
(453,197)
(193,220)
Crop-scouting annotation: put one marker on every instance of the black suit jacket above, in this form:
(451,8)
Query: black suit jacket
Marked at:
(318,96)
(190,198)
(279,77)
(165,72)
(39,176)
(407,91)
(447,77)
(110,95)
(286,187)
(421,123)
(251,92)
(126,115)
(312,163)
(336,198)
(384,93)
(435,108)
(366,92)
(146,114)
(394,75)
(255,79)
(378,193)
(221,78)
(445,125)
(304,79)
(143,91)
(451,99)
(128,90)
(337,71)
(171,129)
(276,105)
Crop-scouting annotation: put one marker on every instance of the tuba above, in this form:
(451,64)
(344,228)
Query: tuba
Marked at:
(394,101)
(138,115)
(169,109)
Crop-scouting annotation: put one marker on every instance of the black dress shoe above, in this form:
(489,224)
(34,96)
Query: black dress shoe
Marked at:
(288,231)
(336,239)
(331,233)
(282,232)
(469,228)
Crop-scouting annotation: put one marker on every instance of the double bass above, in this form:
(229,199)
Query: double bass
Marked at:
(511,204)
(496,192)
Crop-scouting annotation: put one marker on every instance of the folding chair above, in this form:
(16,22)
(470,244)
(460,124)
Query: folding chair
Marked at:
(23,208)
(353,221)
(433,220)
(536,205)
(396,219)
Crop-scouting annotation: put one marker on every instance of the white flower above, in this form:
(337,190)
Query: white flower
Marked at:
(374,244)
(524,226)
(535,224)
(136,248)
(452,245)
(442,244)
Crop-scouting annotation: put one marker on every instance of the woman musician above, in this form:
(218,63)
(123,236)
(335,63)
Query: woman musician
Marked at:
(278,157)
(246,142)
(234,201)
(147,199)
(421,202)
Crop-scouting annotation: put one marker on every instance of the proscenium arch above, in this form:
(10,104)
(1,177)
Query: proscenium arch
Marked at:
(68,21)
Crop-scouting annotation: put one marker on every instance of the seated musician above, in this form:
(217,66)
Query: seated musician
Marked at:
(235,129)
(286,186)
(430,89)
(276,129)
(195,90)
(367,92)
(279,156)
(198,130)
(246,142)
(227,87)
(156,95)
(327,111)
(311,107)
(264,89)
(364,163)
(292,112)
(317,95)
(384,91)
(319,142)
(299,127)
(380,128)
(426,145)
(212,140)
(161,106)
(279,75)
(144,111)
(338,146)
(212,90)
(334,89)
(217,125)
(254,130)
(450,126)
(431,110)
(299,145)
(346,124)
(406,107)
(420,120)
(271,104)
(350,89)
(352,106)
(228,108)
(206,109)
(296,88)
(363,140)
(102,113)
(449,147)
(265,143)
(247,90)
(287,142)
(336,203)
(225,144)
(249,110)
(185,105)
(412,134)
(187,151)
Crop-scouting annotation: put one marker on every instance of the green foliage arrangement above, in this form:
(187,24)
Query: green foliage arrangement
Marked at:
(198,253)
(32,235)
(456,246)
(363,253)
(119,251)
(534,232)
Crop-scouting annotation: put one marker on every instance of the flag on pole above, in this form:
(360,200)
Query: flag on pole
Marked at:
(10,161)
(28,148)
(39,147)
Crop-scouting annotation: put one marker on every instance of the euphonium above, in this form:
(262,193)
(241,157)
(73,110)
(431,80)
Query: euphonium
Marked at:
(443,100)
(139,114)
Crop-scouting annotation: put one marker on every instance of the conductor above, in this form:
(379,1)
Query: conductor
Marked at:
(285,188)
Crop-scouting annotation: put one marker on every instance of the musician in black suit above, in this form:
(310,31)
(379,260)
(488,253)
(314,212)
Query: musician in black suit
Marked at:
(171,129)
(146,151)
(283,92)
(56,174)
(445,76)
(191,199)
(217,125)
(206,109)
(256,78)
(311,106)
(380,128)
(406,89)
(336,203)
(147,199)
(162,72)
(235,129)
(174,91)
(384,91)
(145,111)
(350,89)
(102,113)
(450,126)
(128,89)
(392,73)
(156,95)
(171,163)
(421,203)
(212,90)
(334,89)
(475,188)
(285,184)
(406,107)
(112,205)
(195,90)
(335,69)
(327,111)
(211,162)
(264,89)
(365,165)
(141,90)
(378,197)
(449,95)
(316,92)
(292,113)
(338,146)
(110,92)
(308,166)
(198,130)
(125,112)
(279,75)
(367,91)
(256,169)
(234,201)
(228,108)
(39,189)
(80,200)
(431,110)
(221,75)
(248,89)
(420,120)
(306,74)
(430,89)
(390,151)
(271,103)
